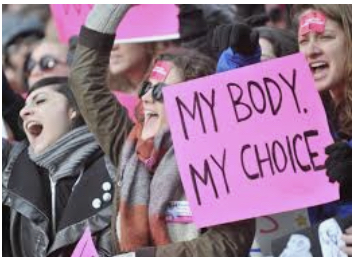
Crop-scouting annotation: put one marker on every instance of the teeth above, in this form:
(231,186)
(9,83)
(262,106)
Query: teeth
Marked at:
(317,64)
(149,113)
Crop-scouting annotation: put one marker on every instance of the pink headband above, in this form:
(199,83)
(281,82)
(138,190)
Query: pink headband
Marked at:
(313,21)
(160,71)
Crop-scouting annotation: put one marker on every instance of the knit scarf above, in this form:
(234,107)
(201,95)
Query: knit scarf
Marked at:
(150,178)
(69,152)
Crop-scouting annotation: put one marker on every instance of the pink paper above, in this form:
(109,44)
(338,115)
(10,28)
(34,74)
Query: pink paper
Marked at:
(160,71)
(85,246)
(312,21)
(142,23)
(239,167)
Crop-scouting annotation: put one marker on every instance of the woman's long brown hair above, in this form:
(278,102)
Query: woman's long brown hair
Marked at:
(342,14)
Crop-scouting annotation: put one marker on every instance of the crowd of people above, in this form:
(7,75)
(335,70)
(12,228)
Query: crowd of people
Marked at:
(98,163)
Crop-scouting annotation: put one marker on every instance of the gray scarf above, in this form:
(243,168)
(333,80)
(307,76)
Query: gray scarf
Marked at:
(63,158)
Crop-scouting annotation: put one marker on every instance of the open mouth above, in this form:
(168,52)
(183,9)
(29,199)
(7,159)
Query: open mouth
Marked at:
(34,128)
(152,123)
(150,115)
(318,68)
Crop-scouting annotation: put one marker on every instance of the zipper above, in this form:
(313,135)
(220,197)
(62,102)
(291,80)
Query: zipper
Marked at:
(53,204)
(53,195)
(119,179)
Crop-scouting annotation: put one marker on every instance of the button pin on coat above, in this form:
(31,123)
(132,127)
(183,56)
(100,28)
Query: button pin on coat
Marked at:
(106,197)
(106,186)
(96,203)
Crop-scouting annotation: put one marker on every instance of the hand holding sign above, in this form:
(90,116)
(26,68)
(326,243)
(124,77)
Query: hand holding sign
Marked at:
(105,18)
(339,162)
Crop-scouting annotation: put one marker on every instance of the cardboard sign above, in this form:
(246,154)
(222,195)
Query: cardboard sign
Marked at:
(250,142)
(322,240)
(142,23)
(271,227)
(85,246)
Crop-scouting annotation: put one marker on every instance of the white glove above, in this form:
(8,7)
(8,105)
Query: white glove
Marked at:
(105,18)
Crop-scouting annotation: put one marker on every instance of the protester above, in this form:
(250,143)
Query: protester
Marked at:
(48,59)
(325,38)
(58,183)
(19,36)
(142,228)
(197,20)
(129,63)
(276,42)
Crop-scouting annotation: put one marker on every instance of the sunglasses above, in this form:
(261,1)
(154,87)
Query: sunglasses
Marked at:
(46,63)
(157,93)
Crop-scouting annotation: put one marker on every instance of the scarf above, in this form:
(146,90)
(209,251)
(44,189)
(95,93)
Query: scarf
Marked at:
(63,158)
(150,180)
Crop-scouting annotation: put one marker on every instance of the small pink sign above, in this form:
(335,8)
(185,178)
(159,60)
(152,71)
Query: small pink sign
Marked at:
(85,246)
(312,21)
(160,71)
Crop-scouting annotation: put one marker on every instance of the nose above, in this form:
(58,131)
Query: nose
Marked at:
(26,111)
(312,49)
(115,47)
(35,71)
(147,97)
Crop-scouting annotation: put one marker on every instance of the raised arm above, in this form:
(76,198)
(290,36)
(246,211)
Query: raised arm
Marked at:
(232,239)
(104,115)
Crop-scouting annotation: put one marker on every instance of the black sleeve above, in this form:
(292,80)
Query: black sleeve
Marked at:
(12,103)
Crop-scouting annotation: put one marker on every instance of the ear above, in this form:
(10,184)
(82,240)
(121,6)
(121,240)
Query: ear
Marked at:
(73,114)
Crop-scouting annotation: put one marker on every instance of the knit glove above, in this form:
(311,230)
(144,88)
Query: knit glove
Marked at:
(339,163)
(105,18)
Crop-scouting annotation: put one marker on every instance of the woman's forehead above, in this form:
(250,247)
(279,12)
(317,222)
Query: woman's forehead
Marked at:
(45,90)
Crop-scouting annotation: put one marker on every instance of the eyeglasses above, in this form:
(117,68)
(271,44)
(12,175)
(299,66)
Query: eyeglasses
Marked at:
(157,93)
(46,63)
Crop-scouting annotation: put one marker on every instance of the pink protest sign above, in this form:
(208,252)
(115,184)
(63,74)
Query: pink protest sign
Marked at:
(142,23)
(250,142)
(85,246)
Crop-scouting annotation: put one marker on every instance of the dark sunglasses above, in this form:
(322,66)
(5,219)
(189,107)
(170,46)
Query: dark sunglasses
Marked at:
(46,63)
(157,93)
